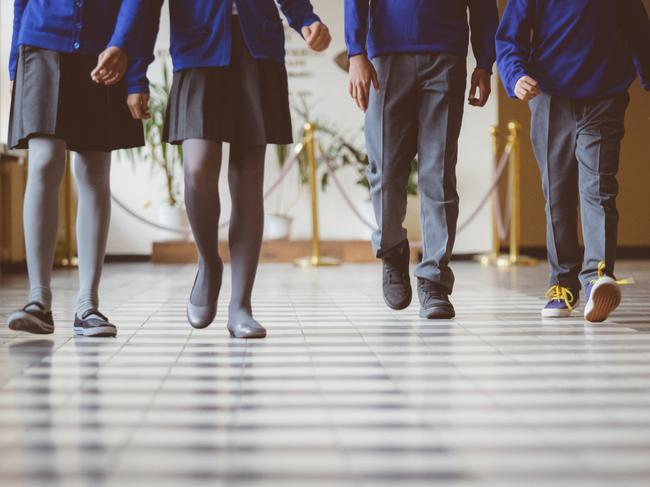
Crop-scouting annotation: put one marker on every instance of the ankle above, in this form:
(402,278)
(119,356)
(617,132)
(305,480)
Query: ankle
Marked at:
(41,295)
(235,309)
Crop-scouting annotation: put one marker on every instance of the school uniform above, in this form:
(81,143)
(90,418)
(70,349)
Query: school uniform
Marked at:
(583,54)
(54,49)
(419,50)
(230,81)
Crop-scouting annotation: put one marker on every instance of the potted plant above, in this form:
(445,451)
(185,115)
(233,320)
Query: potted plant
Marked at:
(342,150)
(277,224)
(163,157)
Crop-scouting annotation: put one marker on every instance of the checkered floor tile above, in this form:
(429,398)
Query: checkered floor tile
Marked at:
(343,392)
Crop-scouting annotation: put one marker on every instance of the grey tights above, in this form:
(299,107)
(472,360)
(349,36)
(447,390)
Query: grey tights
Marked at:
(202,161)
(40,215)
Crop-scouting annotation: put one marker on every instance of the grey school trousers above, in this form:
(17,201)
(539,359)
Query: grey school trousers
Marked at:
(577,144)
(417,111)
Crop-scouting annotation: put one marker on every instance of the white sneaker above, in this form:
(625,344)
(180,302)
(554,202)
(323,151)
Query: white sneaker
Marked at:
(603,297)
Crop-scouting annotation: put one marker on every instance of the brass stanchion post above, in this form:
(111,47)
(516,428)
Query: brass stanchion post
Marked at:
(515,258)
(315,259)
(493,257)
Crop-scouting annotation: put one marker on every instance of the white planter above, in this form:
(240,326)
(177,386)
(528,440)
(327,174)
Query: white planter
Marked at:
(412,220)
(277,227)
(173,217)
(369,212)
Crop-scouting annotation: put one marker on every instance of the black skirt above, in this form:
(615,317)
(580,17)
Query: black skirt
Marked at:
(245,103)
(55,96)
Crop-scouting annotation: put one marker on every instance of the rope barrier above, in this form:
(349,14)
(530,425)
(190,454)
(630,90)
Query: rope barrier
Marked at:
(503,164)
(332,172)
(503,222)
(288,165)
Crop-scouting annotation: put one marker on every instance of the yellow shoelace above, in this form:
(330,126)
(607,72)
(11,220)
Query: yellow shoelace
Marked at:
(560,293)
(601,274)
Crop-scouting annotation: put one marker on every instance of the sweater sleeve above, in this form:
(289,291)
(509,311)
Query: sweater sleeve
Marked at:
(640,31)
(19,8)
(136,33)
(513,43)
(299,13)
(356,26)
(484,20)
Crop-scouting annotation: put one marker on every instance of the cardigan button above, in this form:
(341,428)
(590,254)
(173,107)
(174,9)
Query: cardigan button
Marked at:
(76,46)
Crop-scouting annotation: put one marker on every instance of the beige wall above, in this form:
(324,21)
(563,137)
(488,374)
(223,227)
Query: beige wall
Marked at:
(634,176)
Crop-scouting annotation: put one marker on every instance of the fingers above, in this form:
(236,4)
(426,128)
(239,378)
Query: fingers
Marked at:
(111,66)
(481,88)
(527,88)
(473,100)
(483,97)
(375,80)
(363,94)
(139,106)
(484,93)
(317,36)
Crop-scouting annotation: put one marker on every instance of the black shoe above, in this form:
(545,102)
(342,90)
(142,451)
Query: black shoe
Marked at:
(94,324)
(434,301)
(32,319)
(396,280)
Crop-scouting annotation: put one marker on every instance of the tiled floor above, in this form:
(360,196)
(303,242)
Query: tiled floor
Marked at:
(342,392)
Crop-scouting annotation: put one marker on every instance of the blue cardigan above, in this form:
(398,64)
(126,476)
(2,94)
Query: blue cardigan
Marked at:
(85,26)
(407,26)
(201,30)
(582,49)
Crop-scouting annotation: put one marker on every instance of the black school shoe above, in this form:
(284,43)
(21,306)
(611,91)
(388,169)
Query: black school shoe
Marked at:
(32,320)
(434,301)
(94,324)
(396,279)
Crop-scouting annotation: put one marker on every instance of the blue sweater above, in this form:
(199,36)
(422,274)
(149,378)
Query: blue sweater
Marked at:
(580,49)
(201,30)
(408,26)
(85,26)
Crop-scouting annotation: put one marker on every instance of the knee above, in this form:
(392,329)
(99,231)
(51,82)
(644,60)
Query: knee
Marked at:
(93,170)
(199,175)
(46,165)
(600,191)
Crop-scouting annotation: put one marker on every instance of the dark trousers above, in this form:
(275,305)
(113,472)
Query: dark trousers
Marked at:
(577,145)
(418,110)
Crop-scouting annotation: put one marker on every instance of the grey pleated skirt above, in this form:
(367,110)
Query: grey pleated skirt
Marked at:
(55,96)
(246,103)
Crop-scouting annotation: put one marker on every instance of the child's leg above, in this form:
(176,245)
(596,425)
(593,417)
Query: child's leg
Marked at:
(92,172)
(40,214)
(246,180)
(202,162)
(599,145)
(553,134)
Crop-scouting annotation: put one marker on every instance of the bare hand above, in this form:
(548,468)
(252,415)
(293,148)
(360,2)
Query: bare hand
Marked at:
(481,83)
(317,36)
(527,88)
(111,66)
(138,104)
(362,76)
(11,87)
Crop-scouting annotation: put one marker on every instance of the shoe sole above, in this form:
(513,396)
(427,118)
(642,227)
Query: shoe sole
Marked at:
(604,299)
(22,321)
(400,307)
(98,332)
(559,313)
(439,313)
(256,335)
